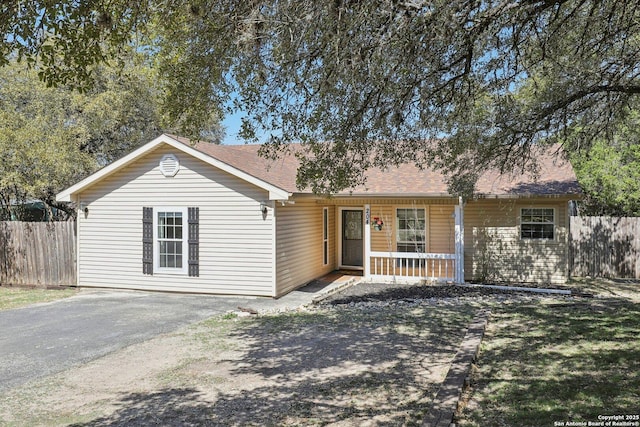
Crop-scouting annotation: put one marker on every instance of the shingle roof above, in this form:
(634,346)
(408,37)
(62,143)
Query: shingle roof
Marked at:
(555,176)
(280,172)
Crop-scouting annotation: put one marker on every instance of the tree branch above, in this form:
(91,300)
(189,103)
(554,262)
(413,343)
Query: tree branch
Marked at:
(564,103)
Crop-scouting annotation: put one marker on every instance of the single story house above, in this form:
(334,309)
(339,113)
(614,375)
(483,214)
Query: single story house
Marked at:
(206,218)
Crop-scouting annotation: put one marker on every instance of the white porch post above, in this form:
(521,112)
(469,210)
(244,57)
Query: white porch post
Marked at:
(459,235)
(367,241)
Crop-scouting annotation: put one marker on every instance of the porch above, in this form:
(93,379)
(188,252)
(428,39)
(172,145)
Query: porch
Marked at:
(403,266)
(403,243)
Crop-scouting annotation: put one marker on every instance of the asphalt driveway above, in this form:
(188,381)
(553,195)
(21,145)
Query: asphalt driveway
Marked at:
(44,339)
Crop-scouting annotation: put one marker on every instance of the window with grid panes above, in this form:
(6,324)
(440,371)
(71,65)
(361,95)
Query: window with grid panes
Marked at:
(170,240)
(537,223)
(411,230)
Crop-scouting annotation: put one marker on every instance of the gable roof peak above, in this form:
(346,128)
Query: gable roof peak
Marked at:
(183,145)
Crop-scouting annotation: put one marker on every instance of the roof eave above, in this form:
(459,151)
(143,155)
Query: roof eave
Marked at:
(393,195)
(570,196)
(567,196)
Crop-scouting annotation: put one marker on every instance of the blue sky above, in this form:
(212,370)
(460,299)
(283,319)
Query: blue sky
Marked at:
(232,123)
(232,126)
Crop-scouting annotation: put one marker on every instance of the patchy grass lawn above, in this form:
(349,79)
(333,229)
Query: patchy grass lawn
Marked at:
(347,366)
(541,362)
(559,361)
(20,297)
(329,366)
(626,289)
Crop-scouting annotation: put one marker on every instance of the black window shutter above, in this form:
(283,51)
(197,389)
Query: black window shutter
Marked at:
(147,240)
(194,242)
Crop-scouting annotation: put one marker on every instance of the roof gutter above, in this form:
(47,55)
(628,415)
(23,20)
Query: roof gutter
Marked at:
(576,196)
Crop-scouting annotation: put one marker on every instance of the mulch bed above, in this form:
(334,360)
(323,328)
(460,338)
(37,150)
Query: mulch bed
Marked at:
(371,292)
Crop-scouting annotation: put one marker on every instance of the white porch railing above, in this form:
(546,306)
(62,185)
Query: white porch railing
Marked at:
(406,266)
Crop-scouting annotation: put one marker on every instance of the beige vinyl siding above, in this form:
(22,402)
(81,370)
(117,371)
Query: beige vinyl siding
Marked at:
(440,227)
(494,251)
(440,232)
(384,240)
(441,237)
(299,244)
(236,242)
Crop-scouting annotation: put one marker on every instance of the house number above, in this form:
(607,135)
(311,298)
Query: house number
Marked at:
(367,216)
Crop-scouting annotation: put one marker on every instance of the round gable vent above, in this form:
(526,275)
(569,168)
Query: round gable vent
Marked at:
(169,165)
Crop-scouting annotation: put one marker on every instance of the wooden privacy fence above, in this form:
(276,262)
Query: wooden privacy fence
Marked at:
(602,246)
(37,253)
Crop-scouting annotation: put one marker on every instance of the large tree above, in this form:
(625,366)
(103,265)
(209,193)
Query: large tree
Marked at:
(609,171)
(51,137)
(460,85)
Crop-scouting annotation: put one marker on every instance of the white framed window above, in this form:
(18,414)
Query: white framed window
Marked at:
(411,230)
(325,236)
(170,244)
(537,223)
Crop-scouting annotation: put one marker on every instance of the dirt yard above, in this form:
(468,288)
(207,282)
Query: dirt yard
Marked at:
(341,365)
